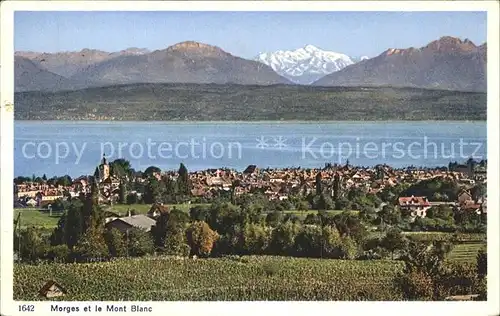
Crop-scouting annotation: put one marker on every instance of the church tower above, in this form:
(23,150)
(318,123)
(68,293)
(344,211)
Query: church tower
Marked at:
(103,169)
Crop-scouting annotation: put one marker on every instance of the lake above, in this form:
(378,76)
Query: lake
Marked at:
(76,147)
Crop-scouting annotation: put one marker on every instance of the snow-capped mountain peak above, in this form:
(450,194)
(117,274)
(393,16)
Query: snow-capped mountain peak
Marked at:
(305,65)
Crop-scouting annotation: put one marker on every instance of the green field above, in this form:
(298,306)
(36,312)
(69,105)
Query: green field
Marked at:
(466,252)
(38,218)
(303,214)
(34,217)
(144,208)
(247,278)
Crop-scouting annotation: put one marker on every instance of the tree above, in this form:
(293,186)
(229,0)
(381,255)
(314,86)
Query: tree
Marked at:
(441,211)
(479,191)
(336,186)
(131,198)
(33,245)
(312,219)
(44,177)
(425,257)
(291,218)
(199,213)
(91,246)
(349,225)
(169,231)
(283,238)
(308,242)
(342,204)
(394,241)
(183,181)
(423,270)
(416,285)
(123,193)
(116,243)
(70,226)
(59,253)
(152,192)
(139,242)
(482,271)
(274,218)
(302,206)
(336,247)
(319,185)
(367,214)
(120,168)
(151,170)
(60,205)
(482,263)
(256,239)
(389,215)
(201,238)
(323,202)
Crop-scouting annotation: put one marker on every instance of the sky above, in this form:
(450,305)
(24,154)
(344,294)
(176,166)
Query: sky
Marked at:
(244,34)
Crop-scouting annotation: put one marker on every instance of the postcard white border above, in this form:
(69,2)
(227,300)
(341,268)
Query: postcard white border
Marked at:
(9,307)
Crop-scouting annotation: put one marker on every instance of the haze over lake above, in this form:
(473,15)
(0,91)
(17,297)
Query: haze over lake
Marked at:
(76,148)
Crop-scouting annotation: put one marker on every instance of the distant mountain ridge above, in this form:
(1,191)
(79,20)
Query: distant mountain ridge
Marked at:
(67,64)
(447,63)
(305,65)
(29,76)
(186,62)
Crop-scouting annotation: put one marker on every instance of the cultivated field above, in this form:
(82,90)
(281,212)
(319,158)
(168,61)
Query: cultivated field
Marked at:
(246,278)
(466,252)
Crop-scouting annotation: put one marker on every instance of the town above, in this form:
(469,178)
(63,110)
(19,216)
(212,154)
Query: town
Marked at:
(126,186)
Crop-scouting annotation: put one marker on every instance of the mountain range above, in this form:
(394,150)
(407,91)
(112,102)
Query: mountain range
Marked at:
(447,63)
(186,62)
(305,65)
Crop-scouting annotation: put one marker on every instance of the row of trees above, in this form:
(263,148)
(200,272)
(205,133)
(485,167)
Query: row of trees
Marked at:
(63,181)
(242,228)
(220,229)
(167,189)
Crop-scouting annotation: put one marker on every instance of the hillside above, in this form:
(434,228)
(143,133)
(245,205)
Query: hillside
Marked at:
(447,63)
(28,76)
(237,102)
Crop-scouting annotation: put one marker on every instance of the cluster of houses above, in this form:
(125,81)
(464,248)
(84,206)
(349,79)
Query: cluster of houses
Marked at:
(43,195)
(33,194)
(276,184)
(417,206)
(279,183)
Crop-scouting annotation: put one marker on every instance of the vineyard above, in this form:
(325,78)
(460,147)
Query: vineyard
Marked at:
(466,252)
(236,279)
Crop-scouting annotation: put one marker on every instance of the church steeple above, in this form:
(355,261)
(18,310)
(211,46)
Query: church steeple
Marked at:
(103,168)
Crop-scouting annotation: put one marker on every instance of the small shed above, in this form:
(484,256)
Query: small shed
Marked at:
(52,289)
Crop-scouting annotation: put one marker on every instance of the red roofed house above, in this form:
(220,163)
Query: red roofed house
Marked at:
(416,205)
